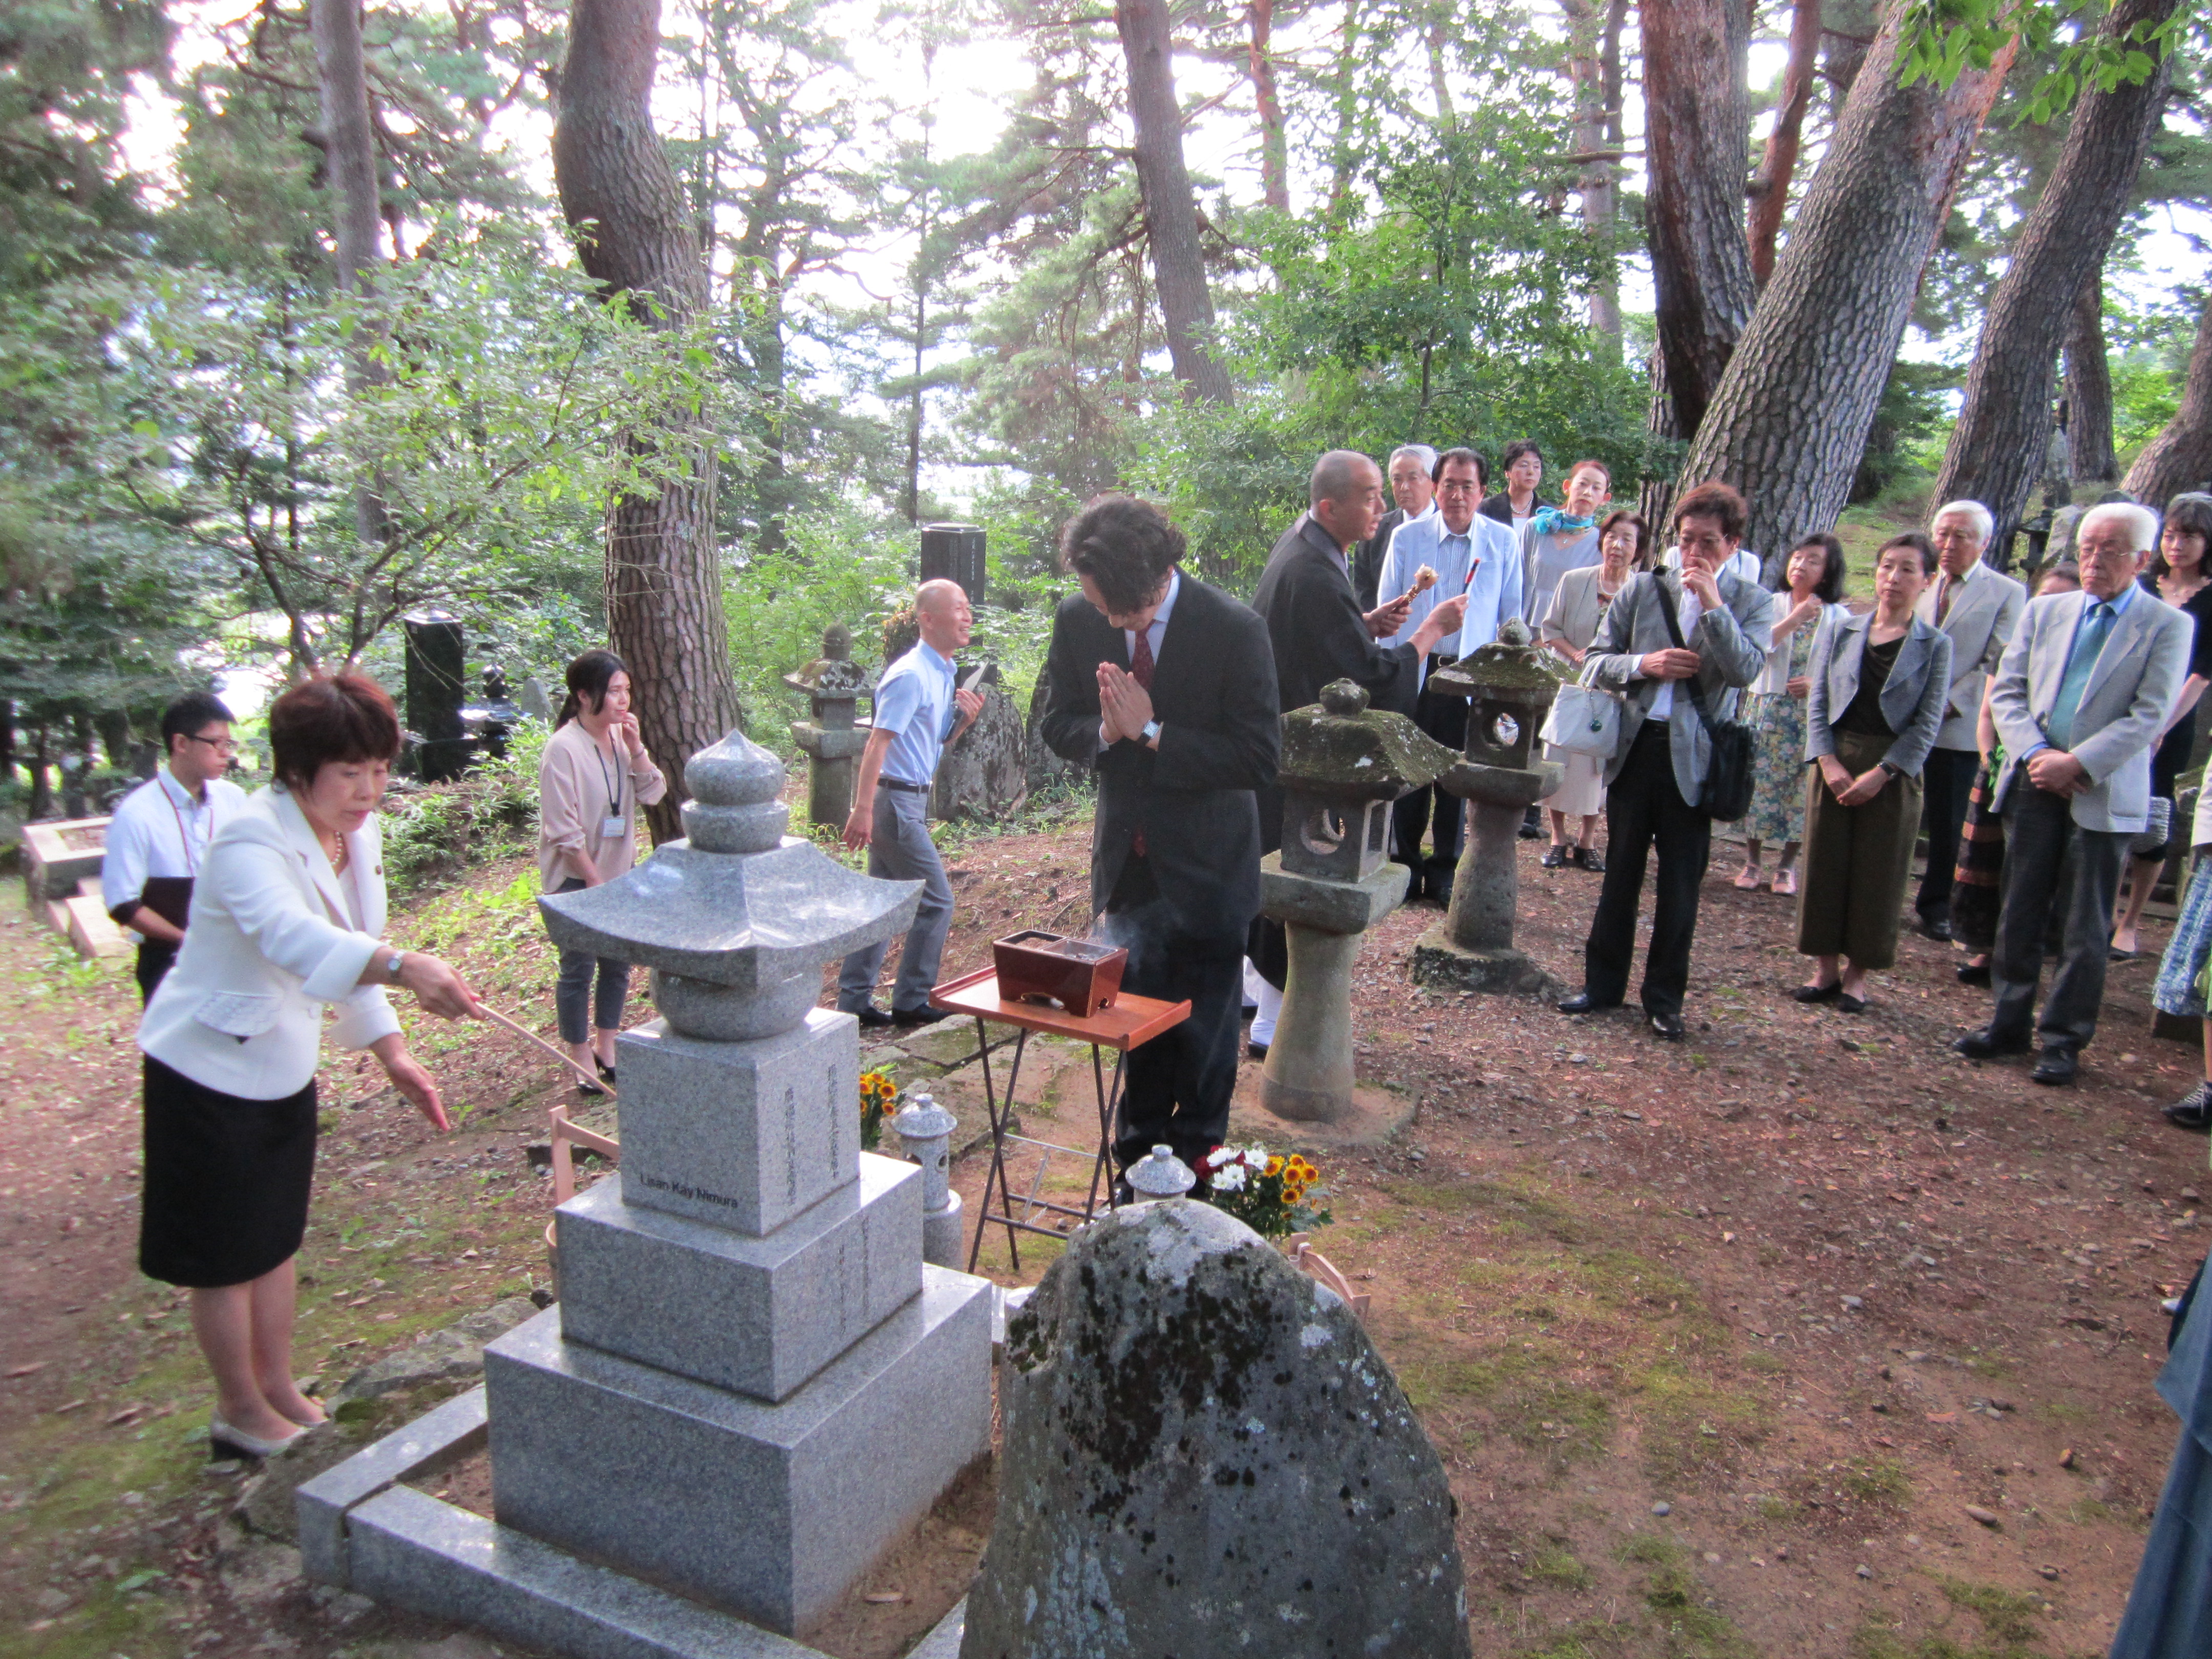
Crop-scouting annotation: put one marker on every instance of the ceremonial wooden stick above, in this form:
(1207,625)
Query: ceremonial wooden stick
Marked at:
(530,1036)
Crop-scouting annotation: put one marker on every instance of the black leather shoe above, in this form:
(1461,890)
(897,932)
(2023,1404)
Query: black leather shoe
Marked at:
(1818,992)
(1532,823)
(1592,860)
(1580,1003)
(2193,1110)
(1256,1050)
(1440,889)
(1982,1045)
(1936,928)
(1974,973)
(908,1018)
(1555,856)
(2054,1067)
(1668,1028)
(872,1018)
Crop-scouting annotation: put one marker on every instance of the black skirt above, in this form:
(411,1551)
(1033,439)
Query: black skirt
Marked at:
(227,1181)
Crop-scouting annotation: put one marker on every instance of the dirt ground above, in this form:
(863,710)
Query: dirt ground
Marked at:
(1724,1343)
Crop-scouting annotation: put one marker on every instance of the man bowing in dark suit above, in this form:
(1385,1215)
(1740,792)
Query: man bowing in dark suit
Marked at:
(1319,635)
(1167,687)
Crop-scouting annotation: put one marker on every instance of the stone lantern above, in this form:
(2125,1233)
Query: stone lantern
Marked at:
(1510,684)
(833,683)
(924,1129)
(700,1415)
(1342,765)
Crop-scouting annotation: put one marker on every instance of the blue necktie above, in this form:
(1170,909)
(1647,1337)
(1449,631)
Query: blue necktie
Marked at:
(2089,637)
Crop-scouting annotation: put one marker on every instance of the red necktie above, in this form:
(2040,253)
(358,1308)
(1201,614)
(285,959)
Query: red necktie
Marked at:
(1942,600)
(1140,670)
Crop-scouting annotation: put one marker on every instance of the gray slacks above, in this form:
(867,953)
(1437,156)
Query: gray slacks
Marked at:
(901,850)
(2039,829)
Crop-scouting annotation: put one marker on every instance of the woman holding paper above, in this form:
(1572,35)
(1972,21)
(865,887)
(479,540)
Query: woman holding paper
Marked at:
(594,776)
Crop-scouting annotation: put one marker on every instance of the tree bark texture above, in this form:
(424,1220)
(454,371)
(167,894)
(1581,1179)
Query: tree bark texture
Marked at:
(348,138)
(1997,448)
(1586,79)
(350,161)
(1770,185)
(2089,457)
(1698,122)
(1170,208)
(1789,419)
(1268,104)
(2180,456)
(635,235)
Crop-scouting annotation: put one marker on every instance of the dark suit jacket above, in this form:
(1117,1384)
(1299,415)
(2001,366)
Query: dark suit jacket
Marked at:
(1213,694)
(1367,560)
(1319,635)
(1499,507)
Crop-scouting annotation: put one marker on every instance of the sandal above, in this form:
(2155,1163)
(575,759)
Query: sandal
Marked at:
(1748,880)
(1786,884)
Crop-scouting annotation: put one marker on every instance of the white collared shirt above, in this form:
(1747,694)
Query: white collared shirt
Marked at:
(1158,629)
(161,830)
(1687,612)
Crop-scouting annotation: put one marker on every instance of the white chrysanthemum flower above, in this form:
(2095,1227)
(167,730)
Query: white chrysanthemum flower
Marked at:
(1230,1179)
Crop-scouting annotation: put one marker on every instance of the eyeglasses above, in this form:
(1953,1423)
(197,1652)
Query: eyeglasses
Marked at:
(1458,487)
(223,747)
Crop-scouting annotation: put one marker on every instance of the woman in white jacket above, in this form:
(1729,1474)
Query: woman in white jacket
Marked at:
(286,919)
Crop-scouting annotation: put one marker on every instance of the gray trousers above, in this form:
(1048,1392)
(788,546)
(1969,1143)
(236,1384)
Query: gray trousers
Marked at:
(2040,830)
(901,850)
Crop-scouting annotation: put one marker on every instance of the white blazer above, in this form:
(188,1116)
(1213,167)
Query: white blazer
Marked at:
(268,947)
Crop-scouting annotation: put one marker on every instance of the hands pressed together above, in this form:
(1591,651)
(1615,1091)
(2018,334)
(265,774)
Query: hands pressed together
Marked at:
(1125,708)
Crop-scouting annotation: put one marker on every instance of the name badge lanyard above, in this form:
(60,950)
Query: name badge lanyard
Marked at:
(183,835)
(610,827)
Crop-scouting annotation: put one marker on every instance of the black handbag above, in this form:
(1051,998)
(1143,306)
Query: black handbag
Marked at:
(1726,795)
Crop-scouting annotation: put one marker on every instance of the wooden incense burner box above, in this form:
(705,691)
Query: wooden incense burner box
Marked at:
(1082,977)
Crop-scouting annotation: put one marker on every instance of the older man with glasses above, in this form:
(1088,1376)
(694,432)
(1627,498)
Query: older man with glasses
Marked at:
(160,830)
(1976,609)
(2080,697)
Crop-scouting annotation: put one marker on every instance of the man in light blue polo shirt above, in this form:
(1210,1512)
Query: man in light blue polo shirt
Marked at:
(917,712)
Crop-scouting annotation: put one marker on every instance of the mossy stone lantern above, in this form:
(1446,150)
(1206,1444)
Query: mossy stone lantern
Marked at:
(833,683)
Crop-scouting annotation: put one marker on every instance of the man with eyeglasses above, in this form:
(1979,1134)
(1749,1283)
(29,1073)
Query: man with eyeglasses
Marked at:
(1477,559)
(159,833)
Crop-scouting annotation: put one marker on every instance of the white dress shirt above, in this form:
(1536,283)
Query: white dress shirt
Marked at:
(1154,633)
(161,830)
(1686,613)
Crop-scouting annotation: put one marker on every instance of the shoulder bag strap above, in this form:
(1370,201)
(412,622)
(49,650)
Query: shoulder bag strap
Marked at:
(1675,632)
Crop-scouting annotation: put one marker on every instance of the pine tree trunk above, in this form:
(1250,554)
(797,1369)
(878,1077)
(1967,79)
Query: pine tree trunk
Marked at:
(1789,419)
(2180,456)
(634,232)
(1997,446)
(1268,105)
(1770,186)
(349,163)
(1586,25)
(2089,458)
(1170,208)
(1697,122)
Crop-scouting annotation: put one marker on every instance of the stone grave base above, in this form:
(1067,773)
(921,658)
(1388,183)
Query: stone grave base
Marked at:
(361,1528)
(772,1511)
(1376,1115)
(1438,962)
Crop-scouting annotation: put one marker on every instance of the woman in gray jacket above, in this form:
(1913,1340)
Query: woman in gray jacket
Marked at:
(1879,684)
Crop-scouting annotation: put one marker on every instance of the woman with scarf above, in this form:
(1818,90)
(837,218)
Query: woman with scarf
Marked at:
(1558,539)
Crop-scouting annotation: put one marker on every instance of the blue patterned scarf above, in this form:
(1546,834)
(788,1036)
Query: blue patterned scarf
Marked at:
(1553,521)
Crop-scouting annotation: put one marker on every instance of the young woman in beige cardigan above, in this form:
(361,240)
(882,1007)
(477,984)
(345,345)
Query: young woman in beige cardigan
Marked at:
(594,776)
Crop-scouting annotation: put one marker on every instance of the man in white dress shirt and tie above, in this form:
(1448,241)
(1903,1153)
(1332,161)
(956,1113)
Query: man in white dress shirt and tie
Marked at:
(161,831)
(1475,556)
(2079,698)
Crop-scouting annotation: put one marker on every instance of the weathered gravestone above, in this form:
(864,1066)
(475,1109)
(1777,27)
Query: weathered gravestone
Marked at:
(1205,1454)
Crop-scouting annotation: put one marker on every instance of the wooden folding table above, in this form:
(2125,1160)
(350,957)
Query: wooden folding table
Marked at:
(1131,1021)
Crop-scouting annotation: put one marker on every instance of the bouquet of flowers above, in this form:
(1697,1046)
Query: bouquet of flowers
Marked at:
(1266,1192)
(879,1100)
